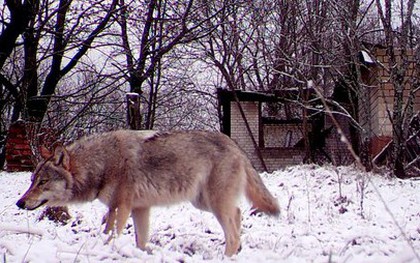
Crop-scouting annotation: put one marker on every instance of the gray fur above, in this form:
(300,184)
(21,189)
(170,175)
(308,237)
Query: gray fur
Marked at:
(131,171)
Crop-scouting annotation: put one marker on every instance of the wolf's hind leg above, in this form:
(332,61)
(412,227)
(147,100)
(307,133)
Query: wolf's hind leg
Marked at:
(141,225)
(229,218)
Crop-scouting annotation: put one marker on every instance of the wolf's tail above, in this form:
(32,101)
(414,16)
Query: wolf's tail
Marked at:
(258,194)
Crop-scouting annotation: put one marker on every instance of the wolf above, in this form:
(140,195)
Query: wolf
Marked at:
(132,171)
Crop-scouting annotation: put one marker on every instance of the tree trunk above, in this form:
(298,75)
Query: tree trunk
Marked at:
(20,15)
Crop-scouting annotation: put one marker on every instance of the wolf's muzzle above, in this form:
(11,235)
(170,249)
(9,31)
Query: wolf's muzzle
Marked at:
(22,204)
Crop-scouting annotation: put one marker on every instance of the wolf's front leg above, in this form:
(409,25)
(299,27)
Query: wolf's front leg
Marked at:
(109,220)
(123,212)
(116,216)
(141,225)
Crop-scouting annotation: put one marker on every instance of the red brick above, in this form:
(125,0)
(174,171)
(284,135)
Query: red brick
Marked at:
(22,146)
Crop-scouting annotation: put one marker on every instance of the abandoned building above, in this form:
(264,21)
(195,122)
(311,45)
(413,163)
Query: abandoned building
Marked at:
(275,131)
(277,135)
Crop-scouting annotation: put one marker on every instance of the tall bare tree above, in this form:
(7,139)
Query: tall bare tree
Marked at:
(15,18)
(41,42)
(150,35)
(56,37)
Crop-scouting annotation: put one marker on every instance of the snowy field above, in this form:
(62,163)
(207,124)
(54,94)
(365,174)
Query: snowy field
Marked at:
(322,220)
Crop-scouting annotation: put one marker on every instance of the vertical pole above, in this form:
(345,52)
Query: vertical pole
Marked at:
(133,111)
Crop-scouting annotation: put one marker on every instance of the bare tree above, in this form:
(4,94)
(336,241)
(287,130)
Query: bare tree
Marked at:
(56,38)
(41,43)
(398,39)
(146,40)
(289,44)
(274,46)
(15,19)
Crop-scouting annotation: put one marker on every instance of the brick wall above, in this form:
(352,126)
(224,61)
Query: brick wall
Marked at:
(18,149)
(239,132)
(336,148)
(382,93)
(278,158)
(274,157)
(284,135)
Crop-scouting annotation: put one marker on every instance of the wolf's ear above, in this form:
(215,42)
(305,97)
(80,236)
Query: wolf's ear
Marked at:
(45,153)
(61,157)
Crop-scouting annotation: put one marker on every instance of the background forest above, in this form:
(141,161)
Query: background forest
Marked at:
(66,66)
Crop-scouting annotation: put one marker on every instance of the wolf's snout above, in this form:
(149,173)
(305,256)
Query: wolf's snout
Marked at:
(30,204)
(21,204)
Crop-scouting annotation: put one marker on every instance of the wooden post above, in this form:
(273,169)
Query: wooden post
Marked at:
(133,111)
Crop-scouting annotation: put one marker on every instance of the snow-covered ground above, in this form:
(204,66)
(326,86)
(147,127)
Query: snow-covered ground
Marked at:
(317,224)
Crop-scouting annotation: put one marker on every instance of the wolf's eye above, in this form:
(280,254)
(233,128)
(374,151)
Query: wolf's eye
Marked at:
(42,182)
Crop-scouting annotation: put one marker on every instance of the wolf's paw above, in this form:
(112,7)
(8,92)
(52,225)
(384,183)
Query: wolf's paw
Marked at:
(109,227)
(110,237)
(109,221)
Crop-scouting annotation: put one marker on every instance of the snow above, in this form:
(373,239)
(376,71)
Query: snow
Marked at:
(317,224)
(367,58)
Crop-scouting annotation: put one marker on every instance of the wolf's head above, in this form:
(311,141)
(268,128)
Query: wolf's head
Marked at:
(51,181)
